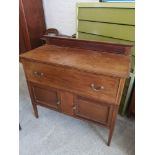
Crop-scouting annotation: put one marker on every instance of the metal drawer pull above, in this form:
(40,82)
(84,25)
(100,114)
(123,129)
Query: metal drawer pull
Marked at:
(74,108)
(58,102)
(38,74)
(96,88)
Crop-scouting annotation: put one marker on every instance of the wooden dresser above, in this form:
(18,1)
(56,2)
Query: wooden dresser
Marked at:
(83,79)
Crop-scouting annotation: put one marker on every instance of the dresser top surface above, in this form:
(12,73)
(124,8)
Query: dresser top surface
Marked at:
(86,60)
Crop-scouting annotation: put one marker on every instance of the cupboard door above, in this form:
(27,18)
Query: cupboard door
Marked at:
(92,110)
(46,96)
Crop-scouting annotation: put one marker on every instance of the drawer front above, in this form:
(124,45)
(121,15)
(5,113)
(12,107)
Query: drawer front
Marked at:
(96,86)
(45,96)
(111,15)
(92,110)
(125,32)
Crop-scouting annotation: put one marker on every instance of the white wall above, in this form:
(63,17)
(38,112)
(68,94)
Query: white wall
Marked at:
(61,14)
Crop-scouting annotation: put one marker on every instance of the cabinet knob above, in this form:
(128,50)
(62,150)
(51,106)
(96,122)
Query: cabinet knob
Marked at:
(74,108)
(58,102)
(38,74)
(96,88)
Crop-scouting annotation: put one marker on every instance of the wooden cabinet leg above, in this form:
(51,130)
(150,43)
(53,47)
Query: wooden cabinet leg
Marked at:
(110,135)
(35,110)
(112,126)
(32,101)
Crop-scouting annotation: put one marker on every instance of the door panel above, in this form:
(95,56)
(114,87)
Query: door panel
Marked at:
(46,96)
(92,110)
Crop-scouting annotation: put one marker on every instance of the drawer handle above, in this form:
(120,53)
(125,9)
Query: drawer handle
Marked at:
(58,102)
(96,88)
(38,74)
(74,108)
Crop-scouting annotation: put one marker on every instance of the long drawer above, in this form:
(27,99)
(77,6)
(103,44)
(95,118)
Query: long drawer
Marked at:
(95,86)
(125,32)
(111,15)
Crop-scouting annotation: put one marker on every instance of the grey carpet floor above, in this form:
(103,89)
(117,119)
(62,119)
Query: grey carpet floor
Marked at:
(54,133)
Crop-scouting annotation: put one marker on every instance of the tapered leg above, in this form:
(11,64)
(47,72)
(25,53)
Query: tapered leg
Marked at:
(35,110)
(112,126)
(110,135)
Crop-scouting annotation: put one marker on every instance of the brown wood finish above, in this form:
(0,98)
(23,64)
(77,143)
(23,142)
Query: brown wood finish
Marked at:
(45,96)
(88,61)
(112,124)
(67,103)
(24,38)
(73,80)
(92,110)
(89,45)
(31,24)
(34,104)
(81,82)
